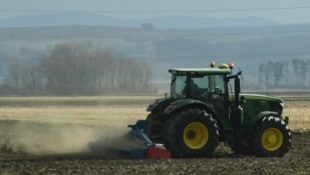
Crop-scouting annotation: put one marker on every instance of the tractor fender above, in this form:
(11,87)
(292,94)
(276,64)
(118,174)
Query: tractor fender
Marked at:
(159,104)
(178,105)
(250,127)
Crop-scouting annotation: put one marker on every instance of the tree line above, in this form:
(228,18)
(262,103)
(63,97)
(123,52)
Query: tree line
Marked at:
(285,74)
(76,69)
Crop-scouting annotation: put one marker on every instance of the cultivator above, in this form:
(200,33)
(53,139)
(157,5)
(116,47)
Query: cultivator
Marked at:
(150,149)
(140,146)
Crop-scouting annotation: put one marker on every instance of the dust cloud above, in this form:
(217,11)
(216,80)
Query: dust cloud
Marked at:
(59,138)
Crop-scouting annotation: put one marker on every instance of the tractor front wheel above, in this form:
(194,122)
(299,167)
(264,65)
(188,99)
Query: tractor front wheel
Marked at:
(272,138)
(191,133)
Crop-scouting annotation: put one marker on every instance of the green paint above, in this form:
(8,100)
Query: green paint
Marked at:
(200,71)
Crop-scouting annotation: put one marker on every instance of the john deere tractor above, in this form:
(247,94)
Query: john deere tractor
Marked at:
(205,107)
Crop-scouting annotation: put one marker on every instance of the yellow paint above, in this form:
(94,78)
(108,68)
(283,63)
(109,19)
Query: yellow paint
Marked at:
(195,135)
(272,139)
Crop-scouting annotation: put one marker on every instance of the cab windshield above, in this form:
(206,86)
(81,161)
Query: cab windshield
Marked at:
(189,86)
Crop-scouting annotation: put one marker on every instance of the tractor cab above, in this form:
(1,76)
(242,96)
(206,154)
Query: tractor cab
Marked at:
(207,85)
(197,83)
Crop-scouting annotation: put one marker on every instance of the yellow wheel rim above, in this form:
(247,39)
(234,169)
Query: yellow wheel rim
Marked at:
(195,135)
(272,139)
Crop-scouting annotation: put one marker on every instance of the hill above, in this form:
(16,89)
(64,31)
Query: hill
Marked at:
(248,47)
(163,22)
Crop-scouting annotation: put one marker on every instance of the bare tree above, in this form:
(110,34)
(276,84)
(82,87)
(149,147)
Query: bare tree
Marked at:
(73,68)
(24,77)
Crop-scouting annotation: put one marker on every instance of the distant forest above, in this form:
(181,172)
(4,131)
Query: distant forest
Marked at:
(294,74)
(76,69)
(73,60)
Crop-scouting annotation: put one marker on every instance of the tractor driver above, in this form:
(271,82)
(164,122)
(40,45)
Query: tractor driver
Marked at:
(194,89)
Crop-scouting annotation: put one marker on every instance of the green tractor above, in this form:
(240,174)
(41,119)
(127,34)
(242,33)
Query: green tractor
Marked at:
(203,110)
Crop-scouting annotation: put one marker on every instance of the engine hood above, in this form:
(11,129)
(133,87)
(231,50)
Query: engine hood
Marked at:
(254,97)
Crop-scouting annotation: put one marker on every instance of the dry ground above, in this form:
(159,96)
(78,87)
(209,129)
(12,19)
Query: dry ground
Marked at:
(296,161)
(48,135)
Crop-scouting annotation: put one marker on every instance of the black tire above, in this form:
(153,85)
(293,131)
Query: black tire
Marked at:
(155,127)
(272,138)
(191,133)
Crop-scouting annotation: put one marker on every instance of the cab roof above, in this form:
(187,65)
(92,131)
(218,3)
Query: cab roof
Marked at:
(200,71)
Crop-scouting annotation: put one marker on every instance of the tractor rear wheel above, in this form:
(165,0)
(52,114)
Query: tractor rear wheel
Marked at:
(191,133)
(155,127)
(272,138)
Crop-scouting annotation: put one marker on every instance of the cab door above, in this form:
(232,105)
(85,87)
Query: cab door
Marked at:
(210,89)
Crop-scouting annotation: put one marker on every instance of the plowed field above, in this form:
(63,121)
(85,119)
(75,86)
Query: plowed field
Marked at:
(296,161)
(51,137)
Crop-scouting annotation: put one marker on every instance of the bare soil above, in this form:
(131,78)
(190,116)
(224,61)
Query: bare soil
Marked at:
(224,161)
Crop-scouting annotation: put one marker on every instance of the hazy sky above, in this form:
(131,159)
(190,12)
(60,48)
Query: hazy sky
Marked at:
(284,11)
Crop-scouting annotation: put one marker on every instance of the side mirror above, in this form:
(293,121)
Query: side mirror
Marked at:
(237,85)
